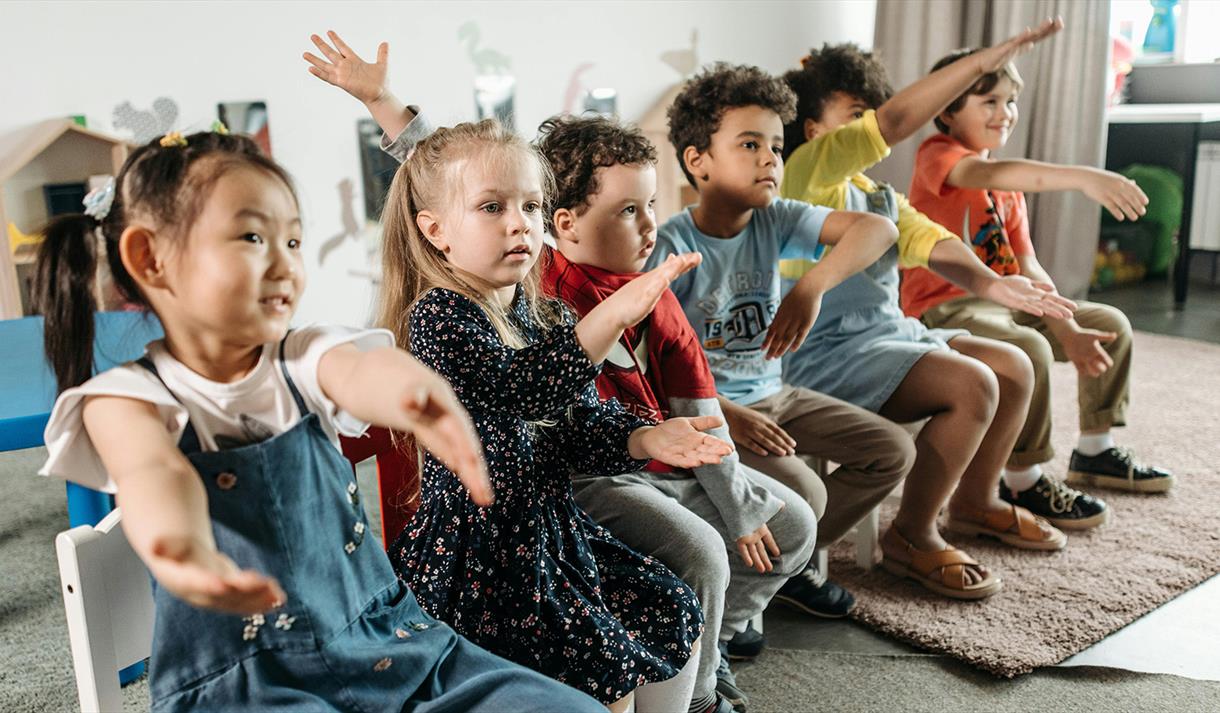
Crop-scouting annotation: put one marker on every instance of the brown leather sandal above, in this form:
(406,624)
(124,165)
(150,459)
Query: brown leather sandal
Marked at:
(943,572)
(1015,526)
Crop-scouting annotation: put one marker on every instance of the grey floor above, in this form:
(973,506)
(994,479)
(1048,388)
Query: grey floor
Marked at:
(1150,306)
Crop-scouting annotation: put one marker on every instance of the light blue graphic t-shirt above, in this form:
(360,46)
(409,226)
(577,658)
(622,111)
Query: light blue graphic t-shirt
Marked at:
(731,297)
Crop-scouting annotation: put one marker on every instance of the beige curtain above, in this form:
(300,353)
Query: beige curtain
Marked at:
(1062,107)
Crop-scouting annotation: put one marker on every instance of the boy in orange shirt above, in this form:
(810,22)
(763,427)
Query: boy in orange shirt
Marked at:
(956,183)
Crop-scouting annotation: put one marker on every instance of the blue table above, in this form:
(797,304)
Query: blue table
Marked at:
(28,387)
(27,393)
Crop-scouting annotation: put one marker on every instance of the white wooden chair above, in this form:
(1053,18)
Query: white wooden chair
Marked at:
(108,601)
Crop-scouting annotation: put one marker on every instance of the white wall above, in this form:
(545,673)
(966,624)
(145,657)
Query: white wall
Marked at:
(87,57)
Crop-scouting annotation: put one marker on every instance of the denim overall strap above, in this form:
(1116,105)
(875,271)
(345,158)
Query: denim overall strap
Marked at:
(189,443)
(292,387)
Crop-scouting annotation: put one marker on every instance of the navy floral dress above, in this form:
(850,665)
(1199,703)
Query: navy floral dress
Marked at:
(533,578)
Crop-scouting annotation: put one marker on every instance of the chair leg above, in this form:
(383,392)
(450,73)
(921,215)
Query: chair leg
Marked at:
(867,537)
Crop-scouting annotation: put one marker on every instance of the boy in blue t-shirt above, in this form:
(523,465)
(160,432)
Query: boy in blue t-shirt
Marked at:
(727,127)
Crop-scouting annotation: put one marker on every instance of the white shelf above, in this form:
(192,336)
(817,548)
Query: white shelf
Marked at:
(1163,114)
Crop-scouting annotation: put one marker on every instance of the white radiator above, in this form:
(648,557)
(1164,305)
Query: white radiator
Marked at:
(1205,216)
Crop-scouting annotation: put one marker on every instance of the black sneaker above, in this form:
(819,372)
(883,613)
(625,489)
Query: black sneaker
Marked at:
(1065,508)
(813,594)
(726,684)
(747,644)
(1115,468)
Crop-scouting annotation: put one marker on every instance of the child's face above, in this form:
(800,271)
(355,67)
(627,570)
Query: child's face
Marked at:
(984,122)
(743,162)
(492,227)
(617,230)
(838,110)
(238,276)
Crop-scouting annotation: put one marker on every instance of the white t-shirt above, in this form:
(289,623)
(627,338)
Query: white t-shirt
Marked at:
(250,410)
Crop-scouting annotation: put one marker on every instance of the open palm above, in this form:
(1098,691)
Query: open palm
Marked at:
(680,442)
(344,69)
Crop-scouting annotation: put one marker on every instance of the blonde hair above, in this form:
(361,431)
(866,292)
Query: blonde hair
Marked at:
(411,265)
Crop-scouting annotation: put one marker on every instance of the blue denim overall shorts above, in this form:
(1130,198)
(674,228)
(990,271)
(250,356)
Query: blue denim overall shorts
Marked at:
(862,345)
(350,636)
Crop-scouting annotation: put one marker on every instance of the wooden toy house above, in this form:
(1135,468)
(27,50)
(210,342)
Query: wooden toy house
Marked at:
(33,161)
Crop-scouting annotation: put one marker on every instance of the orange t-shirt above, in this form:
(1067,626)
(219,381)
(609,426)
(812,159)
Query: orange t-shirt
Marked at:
(994,223)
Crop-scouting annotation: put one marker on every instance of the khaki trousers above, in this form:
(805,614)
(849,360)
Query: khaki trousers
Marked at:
(1102,400)
(874,454)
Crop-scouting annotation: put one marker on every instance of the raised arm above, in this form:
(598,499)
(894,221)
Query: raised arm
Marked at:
(367,82)
(390,388)
(165,510)
(1117,194)
(912,108)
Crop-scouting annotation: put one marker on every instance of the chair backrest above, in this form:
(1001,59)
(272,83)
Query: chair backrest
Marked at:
(108,601)
(397,477)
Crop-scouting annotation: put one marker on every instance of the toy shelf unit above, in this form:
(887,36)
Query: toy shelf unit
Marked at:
(45,169)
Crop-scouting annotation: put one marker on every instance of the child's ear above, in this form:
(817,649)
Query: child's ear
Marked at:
(693,159)
(811,129)
(430,228)
(139,251)
(564,221)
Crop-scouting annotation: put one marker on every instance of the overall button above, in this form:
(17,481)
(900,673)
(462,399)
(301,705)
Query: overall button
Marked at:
(402,633)
(420,626)
(226,481)
(382,665)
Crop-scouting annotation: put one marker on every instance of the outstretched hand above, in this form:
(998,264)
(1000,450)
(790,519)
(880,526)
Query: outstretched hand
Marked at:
(680,442)
(200,575)
(1084,349)
(635,300)
(344,69)
(995,57)
(1119,195)
(442,426)
(1024,295)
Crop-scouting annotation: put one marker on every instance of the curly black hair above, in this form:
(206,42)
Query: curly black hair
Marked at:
(834,68)
(576,146)
(697,110)
(984,84)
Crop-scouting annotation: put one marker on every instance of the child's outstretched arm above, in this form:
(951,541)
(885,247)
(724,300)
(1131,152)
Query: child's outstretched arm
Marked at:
(955,261)
(368,83)
(165,510)
(600,329)
(859,240)
(390,388)
(1117,194)
(912,108)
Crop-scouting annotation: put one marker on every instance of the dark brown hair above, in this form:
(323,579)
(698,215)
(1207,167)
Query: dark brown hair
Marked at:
(834,68)
(697,110)
(165,184)
(984,84)
(576,146)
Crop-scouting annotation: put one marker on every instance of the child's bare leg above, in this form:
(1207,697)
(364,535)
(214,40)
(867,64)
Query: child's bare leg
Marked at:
(979,487)
(958,395)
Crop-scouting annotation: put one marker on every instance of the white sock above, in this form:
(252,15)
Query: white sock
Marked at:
(1091,444)
(671,695)
(1018,479)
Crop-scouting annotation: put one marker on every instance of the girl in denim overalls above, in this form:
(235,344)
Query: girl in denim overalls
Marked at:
(221,444)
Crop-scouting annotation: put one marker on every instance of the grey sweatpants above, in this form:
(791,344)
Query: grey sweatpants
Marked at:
(669,516)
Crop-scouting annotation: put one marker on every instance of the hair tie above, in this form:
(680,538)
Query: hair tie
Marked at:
(97,203)
(219,127)
(173,138)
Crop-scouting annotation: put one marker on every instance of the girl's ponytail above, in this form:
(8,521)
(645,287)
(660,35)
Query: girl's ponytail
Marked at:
(63,294)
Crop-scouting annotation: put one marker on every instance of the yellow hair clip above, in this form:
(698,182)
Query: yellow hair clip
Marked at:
(173,138)
(219,127)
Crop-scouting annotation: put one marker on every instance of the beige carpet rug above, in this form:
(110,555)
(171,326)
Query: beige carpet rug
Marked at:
(1154,548)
